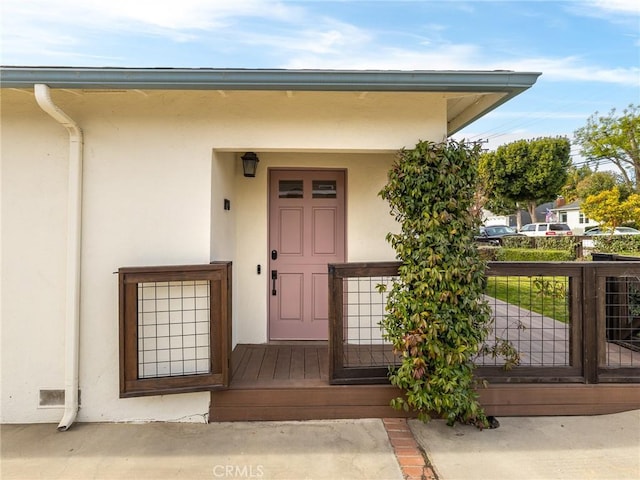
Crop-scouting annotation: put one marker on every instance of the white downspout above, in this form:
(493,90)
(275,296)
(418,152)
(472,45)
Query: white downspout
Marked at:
(74,232)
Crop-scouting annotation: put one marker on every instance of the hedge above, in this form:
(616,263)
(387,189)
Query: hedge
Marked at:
(547,243)
(533,255)
(488,253)
(617,243)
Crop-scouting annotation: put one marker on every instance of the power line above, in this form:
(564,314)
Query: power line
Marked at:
(508,127)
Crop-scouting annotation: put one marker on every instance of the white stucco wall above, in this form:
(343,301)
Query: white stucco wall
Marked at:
(367,217)
(224,169)
(158,166)
(33,190)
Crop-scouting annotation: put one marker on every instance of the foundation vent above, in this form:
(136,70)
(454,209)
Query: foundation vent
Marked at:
(53,398)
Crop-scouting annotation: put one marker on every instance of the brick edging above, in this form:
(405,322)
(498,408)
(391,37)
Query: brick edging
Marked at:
(410,457)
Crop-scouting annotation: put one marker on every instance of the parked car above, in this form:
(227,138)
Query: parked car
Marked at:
(493,234)
(545,229)
(616,231)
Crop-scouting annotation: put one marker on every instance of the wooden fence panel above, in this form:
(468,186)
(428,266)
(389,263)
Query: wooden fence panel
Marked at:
(577,349)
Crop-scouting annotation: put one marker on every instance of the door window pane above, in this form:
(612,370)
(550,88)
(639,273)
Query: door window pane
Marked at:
(290,189)
(324,189)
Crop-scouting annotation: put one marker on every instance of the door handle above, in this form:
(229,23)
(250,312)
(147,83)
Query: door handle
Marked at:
(274,277)
(274,254)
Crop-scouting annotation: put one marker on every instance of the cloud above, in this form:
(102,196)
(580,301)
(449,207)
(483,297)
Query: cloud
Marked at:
(42,29)
(78,20)
(165,14)
(326,37)
(615,11)
(442,57)
(615,6)
(467,57)
(573,69)
(276,33)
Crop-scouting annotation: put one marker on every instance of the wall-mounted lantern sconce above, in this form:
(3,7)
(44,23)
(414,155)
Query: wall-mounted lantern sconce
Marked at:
(249,164)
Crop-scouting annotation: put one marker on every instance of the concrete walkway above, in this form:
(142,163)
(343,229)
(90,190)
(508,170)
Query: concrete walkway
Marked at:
(536,448)
(529,448)
(345,449)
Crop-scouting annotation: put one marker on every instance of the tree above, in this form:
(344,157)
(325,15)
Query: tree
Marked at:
(602,181)
(614,139)
(527,172)
(610,211)
(574,177)
(491,199)
(583,182)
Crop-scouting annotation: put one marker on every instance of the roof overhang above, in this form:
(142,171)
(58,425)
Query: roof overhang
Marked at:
(475,92)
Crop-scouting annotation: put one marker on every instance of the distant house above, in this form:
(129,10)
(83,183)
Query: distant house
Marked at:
(573,216)
(489,218)
(556,211)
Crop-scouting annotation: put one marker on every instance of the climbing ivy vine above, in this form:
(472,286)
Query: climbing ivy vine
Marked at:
(436,317)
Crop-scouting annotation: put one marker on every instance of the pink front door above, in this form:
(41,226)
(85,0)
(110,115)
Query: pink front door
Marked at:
(306,232)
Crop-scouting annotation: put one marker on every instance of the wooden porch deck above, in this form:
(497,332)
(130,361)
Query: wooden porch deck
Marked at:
(290,381)
(280,364)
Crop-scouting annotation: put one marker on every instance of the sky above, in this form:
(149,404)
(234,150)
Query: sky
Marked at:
(587,51)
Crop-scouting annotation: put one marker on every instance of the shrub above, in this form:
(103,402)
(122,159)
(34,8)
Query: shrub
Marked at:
(488,253)
(518,242)
(436,316)
(617,243)
(548,243)
(566,244)
(533,255)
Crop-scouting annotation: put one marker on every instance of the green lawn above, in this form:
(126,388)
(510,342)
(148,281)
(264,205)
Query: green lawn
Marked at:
(545,295)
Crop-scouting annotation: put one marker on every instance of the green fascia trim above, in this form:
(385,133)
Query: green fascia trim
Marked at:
(268,79)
